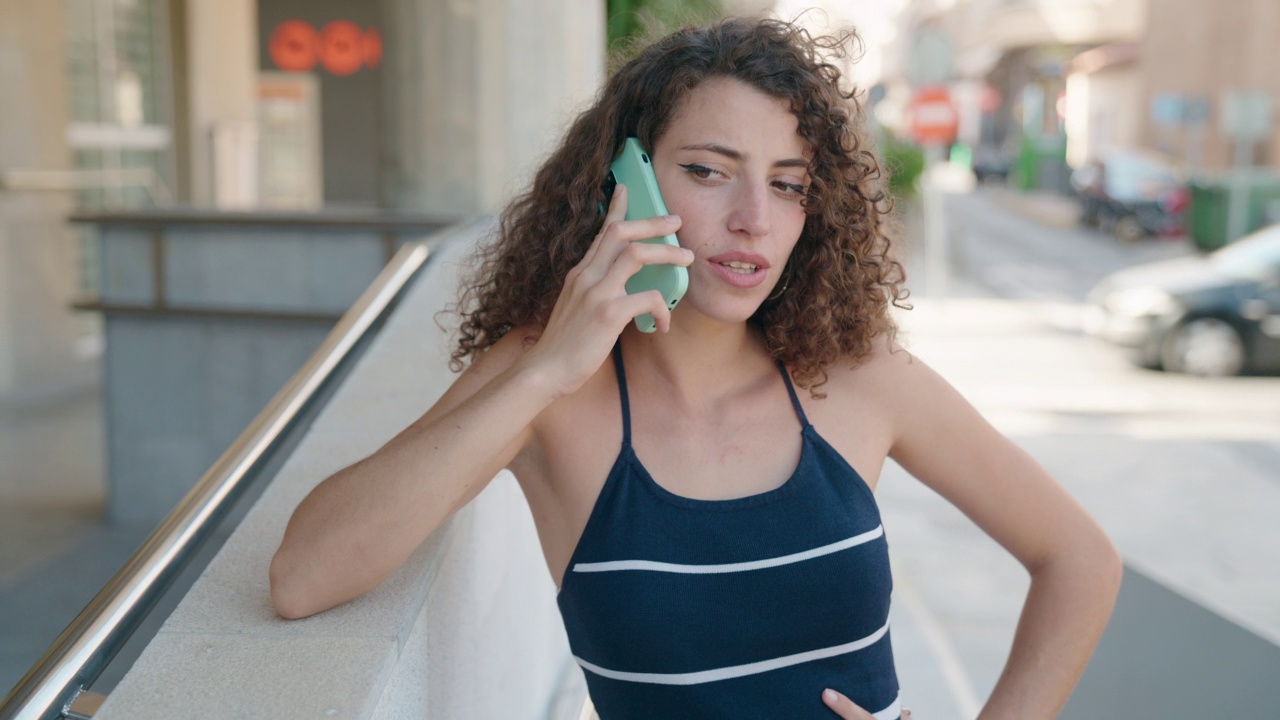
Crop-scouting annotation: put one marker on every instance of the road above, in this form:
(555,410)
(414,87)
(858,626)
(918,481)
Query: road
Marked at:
(1183,473)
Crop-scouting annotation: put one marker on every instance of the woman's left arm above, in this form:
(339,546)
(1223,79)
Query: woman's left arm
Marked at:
(1075,570)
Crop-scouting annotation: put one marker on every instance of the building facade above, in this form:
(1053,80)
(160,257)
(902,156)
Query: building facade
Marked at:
(1133,74)
(433,106)
(1203,51)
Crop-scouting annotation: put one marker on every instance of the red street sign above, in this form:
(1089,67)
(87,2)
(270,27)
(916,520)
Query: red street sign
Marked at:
(932,117)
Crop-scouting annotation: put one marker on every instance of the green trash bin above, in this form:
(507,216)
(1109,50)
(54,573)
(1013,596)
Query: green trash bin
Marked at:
(1207,214)
(1041,164)
(1211,201)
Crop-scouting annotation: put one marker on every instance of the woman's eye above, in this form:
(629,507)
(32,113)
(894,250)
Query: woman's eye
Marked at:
(792,188)
(699,171)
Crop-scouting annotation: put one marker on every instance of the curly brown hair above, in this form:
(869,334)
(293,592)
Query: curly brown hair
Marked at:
(841,276)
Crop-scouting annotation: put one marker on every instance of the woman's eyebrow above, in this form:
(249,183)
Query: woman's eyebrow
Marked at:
(735,155)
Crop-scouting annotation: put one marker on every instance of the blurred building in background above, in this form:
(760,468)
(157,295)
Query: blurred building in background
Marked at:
(1052,84)
(1008,65)
(1198,58)
(43,348)
(192,192)
(443,107)
(246,105)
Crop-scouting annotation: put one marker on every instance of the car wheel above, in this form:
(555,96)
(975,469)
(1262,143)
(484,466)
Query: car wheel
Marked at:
(1204,346)
(1128,229)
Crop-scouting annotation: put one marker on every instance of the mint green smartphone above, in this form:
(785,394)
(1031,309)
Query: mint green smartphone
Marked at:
(634,169)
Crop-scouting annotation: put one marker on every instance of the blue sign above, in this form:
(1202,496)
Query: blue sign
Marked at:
(1196,110)
(1247,115)
(1167,109)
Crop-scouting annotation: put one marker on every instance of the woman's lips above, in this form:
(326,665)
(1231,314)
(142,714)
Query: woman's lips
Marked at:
(731,268)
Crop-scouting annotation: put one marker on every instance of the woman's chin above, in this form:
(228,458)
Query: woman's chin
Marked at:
(724,311)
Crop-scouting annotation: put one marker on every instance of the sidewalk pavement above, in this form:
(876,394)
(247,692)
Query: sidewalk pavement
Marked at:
(1045,208)
(1183,473)
(52,485)
(55,550)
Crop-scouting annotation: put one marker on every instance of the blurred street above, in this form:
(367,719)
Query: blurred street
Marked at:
(1028,246)
(1183,472)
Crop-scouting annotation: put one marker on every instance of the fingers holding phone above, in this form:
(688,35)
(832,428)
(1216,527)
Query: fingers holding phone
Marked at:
(619,251)
(595,306)
(629,251)
(634,169)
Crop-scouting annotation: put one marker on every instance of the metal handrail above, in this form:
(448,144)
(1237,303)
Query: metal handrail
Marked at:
(89,643)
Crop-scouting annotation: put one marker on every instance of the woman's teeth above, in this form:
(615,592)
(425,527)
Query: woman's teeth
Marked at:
(741,267)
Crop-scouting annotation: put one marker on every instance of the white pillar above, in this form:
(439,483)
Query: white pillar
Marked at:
(221,39)
(39,259)
(480,92)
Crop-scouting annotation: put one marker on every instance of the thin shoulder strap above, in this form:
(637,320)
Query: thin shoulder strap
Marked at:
(622,394)
(791,390)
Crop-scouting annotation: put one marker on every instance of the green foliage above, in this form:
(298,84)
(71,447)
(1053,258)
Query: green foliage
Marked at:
(633,19)
(904,162)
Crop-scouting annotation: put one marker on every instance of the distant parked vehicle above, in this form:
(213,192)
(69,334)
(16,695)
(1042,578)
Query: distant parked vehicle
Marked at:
(1215,314)
(1133,195)
(991,164)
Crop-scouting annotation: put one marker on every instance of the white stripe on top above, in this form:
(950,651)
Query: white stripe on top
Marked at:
(730,567)
(735,671)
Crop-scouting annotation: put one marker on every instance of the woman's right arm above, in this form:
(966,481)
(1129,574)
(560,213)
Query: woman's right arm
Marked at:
(359,525)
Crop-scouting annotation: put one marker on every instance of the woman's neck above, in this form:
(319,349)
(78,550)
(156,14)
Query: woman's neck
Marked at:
(699,360)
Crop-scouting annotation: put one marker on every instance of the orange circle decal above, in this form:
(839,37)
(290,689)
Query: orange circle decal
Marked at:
(294,46)
(341,47)
(372,47)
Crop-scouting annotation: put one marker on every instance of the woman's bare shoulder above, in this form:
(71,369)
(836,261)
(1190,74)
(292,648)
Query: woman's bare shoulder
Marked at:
(905,391)
(880,371)
(886,382)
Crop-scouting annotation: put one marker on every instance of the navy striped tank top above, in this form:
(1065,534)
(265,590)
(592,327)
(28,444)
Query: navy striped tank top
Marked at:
(745,608)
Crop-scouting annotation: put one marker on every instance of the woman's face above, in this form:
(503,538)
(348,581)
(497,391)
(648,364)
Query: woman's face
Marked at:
(733,167)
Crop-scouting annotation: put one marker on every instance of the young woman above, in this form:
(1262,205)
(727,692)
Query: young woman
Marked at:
(694,489)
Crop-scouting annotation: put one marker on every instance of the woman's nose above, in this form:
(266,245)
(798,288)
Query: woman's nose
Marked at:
(751,210)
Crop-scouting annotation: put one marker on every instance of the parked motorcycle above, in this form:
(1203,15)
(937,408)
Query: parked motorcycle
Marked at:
(1132,195)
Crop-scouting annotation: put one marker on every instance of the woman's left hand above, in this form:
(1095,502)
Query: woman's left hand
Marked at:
(848,709)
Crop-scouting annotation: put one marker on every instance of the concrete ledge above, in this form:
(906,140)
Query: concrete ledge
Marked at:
(468,627)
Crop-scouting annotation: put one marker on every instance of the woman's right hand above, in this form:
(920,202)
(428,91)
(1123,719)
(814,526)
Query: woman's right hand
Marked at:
(594,308)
